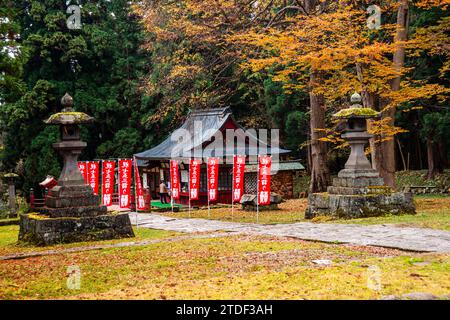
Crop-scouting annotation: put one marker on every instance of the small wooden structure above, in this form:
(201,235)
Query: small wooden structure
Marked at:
(207,125)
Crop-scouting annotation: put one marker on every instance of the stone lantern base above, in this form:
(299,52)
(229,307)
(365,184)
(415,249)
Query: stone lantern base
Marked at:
(359,206)
(359,194)
(39,229)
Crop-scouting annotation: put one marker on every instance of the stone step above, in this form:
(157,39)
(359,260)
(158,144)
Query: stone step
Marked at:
(362,190)
(360,182)
(76,212)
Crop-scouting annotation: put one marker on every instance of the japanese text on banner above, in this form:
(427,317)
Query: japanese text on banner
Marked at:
(125,183)
(213,178)
(140,198)
(265,164)
(194,179)
(174,179)
(238,177)
(108,168)
(93,175)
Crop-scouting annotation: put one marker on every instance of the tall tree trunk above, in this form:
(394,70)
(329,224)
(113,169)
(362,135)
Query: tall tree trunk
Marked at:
(430,158)
(320,174)
(385,153)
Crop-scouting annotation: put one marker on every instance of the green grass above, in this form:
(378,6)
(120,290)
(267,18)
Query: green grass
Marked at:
(433,211)
(417,178)
(10,221)
(159,204)
(9,236)
(236,267)
(233,267)
(439,219)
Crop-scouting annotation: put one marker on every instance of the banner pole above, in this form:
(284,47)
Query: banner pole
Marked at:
(257,191)
(207,187)
(101,180)
(171,185)
(232,189)
(189,188)
(136,170)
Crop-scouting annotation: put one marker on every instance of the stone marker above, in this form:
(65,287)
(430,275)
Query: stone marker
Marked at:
(249,202)
(72,212)
(9,178)
(358,191)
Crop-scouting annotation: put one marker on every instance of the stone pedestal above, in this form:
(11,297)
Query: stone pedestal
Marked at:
(358,191)
(359,206)
(249,202)
(41,230)
(12,203)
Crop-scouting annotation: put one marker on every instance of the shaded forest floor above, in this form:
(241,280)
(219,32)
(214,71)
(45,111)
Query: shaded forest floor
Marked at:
(433,211)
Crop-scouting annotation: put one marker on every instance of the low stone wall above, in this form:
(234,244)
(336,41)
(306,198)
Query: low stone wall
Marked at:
(427,189)
(40,230)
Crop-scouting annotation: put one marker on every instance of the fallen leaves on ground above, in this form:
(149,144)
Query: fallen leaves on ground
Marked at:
(231,267)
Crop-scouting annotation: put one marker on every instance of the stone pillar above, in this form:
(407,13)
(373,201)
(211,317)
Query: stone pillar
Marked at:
(9,178)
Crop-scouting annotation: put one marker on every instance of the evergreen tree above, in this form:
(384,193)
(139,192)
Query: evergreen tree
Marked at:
(99,65)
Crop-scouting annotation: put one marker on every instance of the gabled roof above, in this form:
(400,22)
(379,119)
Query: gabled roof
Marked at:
(282,166)
(211,121)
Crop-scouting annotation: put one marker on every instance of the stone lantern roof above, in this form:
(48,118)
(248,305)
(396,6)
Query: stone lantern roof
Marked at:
(356,110)
(68,116)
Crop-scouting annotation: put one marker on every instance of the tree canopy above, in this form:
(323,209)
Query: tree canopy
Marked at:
(138,67)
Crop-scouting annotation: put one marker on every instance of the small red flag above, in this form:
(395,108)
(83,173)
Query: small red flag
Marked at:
(265,164)
(108,168)
(213,178)
(125,167)
(174,179)
(238,177)
(194,179)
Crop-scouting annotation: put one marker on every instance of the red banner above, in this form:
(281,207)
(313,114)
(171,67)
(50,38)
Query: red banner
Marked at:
(93,175)
(174,179)
(140,198)
(213,178)
(265,164)
(238,177)
(125,183)
(194,179)
(83,169)
(108,168)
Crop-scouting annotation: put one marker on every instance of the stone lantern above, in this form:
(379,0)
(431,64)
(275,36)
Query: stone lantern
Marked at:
(72,211)
(9,178)
(358,191)
(71,190)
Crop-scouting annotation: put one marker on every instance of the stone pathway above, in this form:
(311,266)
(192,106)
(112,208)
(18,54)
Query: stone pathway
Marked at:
(414,239)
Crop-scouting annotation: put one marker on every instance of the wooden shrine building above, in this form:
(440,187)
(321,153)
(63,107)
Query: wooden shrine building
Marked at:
(206,133)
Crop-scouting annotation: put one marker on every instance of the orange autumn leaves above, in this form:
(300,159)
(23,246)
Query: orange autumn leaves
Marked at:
(196,41)
(333,44)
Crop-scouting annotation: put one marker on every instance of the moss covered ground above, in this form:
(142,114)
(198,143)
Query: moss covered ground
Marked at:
(233,267)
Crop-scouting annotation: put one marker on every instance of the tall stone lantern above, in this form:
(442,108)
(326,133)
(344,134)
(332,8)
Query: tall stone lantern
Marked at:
(72,211)
(71,190)
(358,191)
